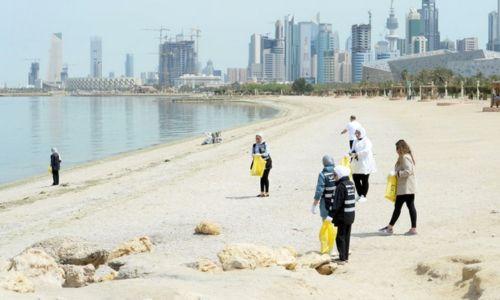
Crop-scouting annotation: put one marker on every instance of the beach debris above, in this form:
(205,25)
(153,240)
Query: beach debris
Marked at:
(166,160)
(73,251)
(39,267)
(78,276)
(313,260)
(246,256)
(137,245)
(327,269)
(212,138)
(207,266)
(104,273)
(207,228)
(16,282)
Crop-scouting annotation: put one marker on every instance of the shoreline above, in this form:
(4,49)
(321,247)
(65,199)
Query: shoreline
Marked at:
(269,102)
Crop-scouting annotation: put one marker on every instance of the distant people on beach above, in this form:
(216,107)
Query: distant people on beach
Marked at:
(341,210)
(406,188)
(325,188)
(362,164)
(351,128)
(55,165)
(262,148)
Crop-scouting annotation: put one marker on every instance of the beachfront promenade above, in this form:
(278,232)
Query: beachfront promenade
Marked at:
(165,191)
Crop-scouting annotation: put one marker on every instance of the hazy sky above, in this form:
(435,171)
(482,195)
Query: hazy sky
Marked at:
(26,27)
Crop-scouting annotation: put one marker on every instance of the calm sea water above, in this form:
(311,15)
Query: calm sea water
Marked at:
(85,129)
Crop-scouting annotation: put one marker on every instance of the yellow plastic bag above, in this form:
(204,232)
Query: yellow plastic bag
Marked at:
(258,166)
(327,235)
(392,188)
(346,162)
(50,170)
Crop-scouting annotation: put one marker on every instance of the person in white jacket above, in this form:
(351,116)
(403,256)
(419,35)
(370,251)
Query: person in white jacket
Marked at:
(362,164)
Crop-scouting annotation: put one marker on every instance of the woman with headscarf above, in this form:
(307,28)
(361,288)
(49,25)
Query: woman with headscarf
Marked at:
(405,171)
(55,164)
(262,148)
(362,164)
(325,188)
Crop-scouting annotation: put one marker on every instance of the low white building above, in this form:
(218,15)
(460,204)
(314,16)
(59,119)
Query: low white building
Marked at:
(195,81)
(102,84)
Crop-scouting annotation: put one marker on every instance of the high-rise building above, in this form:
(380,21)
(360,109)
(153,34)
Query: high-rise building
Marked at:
(33,74)
(326,50)
(419,44)
(392,25)
(343,67)
(95,57)
(55,58)
(177,58)
(492,30)
(292,42)
(129,65)
(255,68)
(64,74)
(430,24)
(308,32)
(274,56)
(402,47)
(361,49)
(414,28)
(383,51)
(468,44)
(209,68)
(238,75)
(448,44)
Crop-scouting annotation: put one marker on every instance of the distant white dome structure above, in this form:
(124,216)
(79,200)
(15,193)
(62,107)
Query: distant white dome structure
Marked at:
(392,25)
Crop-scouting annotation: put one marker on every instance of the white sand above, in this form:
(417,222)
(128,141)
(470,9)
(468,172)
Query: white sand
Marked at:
(458,172)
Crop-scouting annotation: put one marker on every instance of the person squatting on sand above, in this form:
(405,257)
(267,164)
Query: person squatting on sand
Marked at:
(262,148)
(55,165)
(362,163)
(325,188)
(341,210)
(351,128)
(405,172)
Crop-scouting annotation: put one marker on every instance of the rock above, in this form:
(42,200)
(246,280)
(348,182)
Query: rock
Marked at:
(486,283)
(313,260)
(291,267)
(246,256)
(39,267)
(5,265)
(207,228)
(134,246)
(466,260)
(105,273)
(469,271)
(440,269)
(285,256)
(327,269)
(138,266)
(78,276)
(73,251)
(206,265)
(16,282)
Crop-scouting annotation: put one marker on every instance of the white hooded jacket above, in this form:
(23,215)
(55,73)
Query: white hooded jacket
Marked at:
(365,163)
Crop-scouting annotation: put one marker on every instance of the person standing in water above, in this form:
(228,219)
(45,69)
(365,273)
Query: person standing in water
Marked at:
(351,128)
(262,148)
(55,164)
(325,188)
(342,211)
(363,163)
(405,171)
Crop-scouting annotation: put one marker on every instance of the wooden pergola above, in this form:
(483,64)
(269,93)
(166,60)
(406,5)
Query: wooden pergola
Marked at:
(428,92)
(398,92)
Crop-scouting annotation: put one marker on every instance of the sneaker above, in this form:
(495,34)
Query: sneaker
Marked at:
(411,233)
(362,199)
(386,230)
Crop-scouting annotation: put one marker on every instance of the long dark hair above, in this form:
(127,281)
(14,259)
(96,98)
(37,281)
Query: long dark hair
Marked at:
(405,149)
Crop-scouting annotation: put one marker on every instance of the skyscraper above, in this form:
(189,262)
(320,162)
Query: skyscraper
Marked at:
(292,43)
(492,30)
(419,44)
(430,22)
(308,32)
(361,49)
(254,57)
(129,65)
(176,59)
(326,50)
(413,28)
(55,58)
(468,44)
(96,57)
(33,74)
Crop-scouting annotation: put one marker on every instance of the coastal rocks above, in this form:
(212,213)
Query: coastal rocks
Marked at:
(246,256)
(78,276)
(327,269)
(105,273)
(39,267)
(313,260)
(138,266)
(207,266)
(73,251)
(207,228)
(469,271)
(486,283)
(134,246)
(438,270)
(16,282)
(286,256)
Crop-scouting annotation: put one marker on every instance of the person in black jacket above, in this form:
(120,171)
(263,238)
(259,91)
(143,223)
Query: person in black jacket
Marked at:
(55,164)
(342,211)
(262,148)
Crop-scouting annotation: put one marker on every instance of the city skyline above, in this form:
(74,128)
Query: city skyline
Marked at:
(123,34)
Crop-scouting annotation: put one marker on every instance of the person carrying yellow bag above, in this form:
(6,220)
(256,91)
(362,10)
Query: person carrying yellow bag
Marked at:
(261,149)
(391,188)
(327,235)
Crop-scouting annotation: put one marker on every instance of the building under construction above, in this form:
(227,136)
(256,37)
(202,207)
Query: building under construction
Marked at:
(176,59)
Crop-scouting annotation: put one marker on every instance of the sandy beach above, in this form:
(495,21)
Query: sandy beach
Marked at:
(165,191)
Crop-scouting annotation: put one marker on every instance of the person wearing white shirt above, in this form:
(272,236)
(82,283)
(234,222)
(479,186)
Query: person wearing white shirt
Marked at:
(351,128)
(363,163)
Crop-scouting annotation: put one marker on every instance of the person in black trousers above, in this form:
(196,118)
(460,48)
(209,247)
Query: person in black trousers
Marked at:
(55,165)
(342,211)
(262,148)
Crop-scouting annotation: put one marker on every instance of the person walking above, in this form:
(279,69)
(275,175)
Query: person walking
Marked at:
(342,211)
(325,188)
(262,148)
(362,164)
(55,165)
(405,172)
(351,128)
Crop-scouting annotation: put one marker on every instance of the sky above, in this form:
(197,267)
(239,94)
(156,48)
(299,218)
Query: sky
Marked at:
(226,25)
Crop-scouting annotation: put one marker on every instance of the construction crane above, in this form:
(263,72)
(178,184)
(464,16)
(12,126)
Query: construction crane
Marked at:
(160,30)
(35,59)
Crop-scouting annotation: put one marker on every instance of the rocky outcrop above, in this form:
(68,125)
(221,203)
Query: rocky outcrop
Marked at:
(207,228)
(73,251)
(313,260)
(78,276)
(134,246)
(16,282)
(105,273)
(207,266)
(138,266)
(246,256)
(39,267)
(285,256)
